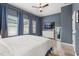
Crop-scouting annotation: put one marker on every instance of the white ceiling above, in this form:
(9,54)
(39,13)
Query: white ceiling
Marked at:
(53,8)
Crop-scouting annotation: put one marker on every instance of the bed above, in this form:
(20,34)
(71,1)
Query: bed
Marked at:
(25,45)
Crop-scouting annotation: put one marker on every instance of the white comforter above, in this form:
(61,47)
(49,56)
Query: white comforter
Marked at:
(26,45)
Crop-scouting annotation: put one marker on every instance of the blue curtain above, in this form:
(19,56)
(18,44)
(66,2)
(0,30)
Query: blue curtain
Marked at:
(4,32)
(20,24)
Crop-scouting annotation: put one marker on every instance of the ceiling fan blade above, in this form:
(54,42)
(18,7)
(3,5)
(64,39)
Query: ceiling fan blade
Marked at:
(46,5)
(35,7)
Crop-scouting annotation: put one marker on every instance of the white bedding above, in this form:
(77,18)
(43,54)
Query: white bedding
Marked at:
(26,45)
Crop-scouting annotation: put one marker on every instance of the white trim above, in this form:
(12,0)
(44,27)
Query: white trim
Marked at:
(67,44)
(74,30)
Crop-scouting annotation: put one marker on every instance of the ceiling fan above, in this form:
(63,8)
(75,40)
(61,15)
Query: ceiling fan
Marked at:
(40,7)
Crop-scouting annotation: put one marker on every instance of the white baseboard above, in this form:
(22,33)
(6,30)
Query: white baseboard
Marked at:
(67,44)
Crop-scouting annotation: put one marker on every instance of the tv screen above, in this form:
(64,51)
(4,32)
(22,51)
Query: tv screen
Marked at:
(49,25)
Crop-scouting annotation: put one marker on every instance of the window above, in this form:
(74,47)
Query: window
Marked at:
(26,24)
(34,26)
(12,22)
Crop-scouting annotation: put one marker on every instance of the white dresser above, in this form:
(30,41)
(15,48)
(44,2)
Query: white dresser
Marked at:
(48,33)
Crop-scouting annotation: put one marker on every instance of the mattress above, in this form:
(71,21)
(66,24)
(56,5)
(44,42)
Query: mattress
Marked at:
(26,45)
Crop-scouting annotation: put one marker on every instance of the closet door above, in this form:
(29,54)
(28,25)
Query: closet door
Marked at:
(12,22)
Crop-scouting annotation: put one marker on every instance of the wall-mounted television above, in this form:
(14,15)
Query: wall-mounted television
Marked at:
(49,25)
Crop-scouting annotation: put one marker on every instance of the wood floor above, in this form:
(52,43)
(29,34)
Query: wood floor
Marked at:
(66,49)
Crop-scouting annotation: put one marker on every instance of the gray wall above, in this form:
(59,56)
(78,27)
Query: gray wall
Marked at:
(53,18)
(66,24)
(75,8)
